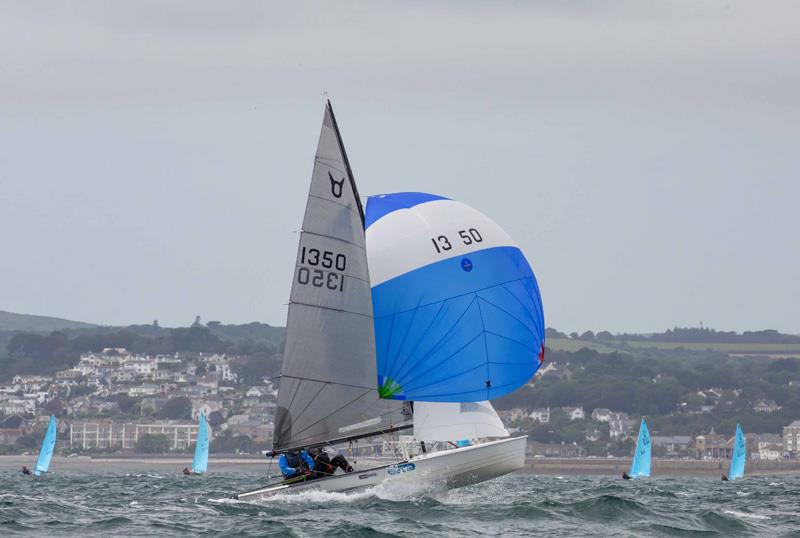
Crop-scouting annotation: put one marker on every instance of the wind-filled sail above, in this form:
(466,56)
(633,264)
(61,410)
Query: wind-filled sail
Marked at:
(327,386)
(453,421)
(458,314)
(200,461)
(739,456)
(640,466)
(46,452)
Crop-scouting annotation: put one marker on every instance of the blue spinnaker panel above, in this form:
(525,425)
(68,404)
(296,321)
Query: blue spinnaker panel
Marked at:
(48,446)
(640,466)
(739,456)
(200,462)
(457,309)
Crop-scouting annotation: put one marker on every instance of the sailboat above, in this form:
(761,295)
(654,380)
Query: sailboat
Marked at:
(48,446)
(344,376)
(738,457)
(200,461)
(640,466)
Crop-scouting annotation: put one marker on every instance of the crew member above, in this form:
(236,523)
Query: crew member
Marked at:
(295,463)
(326,466)
(187,471)
(25,470)
(724,478)
(626,476)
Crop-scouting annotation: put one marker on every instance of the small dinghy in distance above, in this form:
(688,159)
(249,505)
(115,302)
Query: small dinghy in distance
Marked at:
(640,466)
(738,457)
(46,452)
(446,332)
(200,461)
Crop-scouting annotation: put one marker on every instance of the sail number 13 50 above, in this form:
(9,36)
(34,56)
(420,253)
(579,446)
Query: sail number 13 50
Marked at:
(442,243)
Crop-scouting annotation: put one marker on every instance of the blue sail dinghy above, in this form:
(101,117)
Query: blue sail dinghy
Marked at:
(738,457)
(640,466)
(46,452)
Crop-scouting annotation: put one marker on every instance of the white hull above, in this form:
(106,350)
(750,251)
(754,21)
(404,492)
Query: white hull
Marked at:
(451,468)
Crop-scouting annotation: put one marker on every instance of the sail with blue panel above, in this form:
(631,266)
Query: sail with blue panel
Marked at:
(200,462)
(739,456)
(457,309)
(640,466)
(48,446)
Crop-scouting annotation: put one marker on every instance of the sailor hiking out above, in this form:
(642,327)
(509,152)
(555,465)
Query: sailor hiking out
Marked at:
(324,465)
(295,463)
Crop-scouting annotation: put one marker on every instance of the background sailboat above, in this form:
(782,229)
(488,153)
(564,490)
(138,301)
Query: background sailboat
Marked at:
(739,455)
(48,446)
(640,466)
(200,461)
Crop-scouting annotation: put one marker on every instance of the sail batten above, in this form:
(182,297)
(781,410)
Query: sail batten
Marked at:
(328,371)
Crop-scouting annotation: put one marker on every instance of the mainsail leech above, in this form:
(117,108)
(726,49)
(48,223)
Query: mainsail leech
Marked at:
(327,386)
(46,452)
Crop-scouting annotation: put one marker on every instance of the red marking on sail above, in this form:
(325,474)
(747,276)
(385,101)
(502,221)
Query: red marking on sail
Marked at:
(541,355)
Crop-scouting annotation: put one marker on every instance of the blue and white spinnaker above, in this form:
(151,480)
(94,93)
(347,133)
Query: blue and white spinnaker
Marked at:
(640,466)
(458,313)
(200,462)
(739,456)
(48,446)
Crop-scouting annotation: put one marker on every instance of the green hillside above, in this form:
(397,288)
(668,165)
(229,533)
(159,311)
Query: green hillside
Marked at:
(10,321)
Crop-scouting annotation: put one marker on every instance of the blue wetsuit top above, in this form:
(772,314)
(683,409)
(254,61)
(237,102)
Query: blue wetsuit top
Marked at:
(288,470)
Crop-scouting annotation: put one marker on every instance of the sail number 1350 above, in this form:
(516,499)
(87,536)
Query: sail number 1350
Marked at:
(324,277)
(442,243)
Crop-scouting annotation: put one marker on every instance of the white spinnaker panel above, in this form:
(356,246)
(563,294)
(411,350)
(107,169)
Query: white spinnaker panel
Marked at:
(400,241)
(453,421)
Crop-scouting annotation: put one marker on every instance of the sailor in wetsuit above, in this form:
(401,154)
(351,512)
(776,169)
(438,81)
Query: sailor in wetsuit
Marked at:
(296,463)
(326,466)
(25,470)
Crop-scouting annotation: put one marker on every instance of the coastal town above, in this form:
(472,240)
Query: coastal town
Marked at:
(116,401)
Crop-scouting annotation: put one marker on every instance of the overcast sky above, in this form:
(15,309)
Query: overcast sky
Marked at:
(155,156)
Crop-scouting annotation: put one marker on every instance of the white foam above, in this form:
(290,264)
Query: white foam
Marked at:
(745,515)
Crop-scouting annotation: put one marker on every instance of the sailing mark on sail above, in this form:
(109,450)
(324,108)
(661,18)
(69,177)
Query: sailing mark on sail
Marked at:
(336,186)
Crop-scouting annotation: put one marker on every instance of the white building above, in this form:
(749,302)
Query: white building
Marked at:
(602,415)
(145,389)
(574,413)
(106,434)
(541,414)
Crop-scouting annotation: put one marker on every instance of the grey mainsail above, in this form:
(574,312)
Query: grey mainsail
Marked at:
(328,386)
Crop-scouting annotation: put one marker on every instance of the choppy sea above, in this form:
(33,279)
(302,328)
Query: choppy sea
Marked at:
(163,504)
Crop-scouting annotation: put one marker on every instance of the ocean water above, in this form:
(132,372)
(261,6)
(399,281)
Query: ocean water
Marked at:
(168,504)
